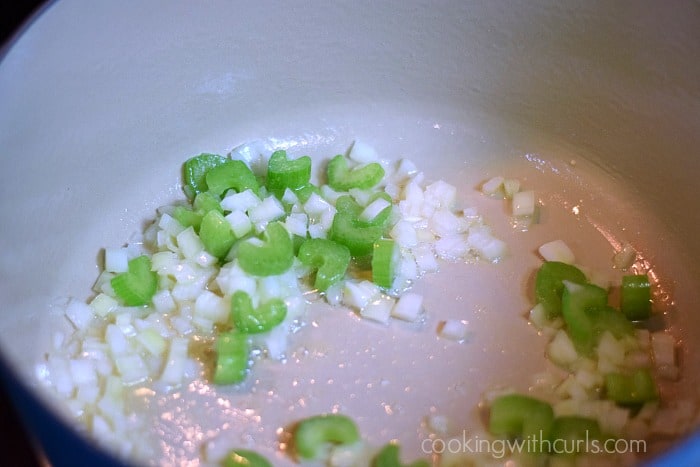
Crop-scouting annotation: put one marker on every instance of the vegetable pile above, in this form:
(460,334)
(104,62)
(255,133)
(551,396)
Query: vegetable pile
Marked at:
(232,267)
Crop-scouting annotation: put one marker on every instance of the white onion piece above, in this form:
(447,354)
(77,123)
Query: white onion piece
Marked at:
(409,307)
(116,260)
(511,187)
(625,258)
(378,310)
(373,209)
(492,186)
(80,314)
(557,250)
(362,152)
(243,201)
(453,329)
(358,295)
(524,203)
(663,346)
(240,223)
(269,210)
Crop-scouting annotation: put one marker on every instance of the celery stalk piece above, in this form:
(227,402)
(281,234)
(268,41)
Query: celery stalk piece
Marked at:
(576,301)
(388,456)
(520,416)
(287,173)
(205,202)
(331,260)
(231,175)
(232,352)
(636,297)
(273,257)
(633,389)
(312,434)
(202,204)
(187,217)
(216,234)
(348,230)
(249,320)
(575,430)
(341,178)
(304,192)
(137,286)
(385,256)
(195,170)
(549,284)
(244,457)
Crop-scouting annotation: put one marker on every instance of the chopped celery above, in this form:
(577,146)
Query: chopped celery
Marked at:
(574,431)
(331,260)
(244,457)
(249,320)
(136,286)
(607,318)
(216,234)
(576,301)
(285,173)
(305,192)
(384,259)
(192,217)
(205,202)
(273,257)
(549,284)
(341,178)
(636,297)
(231,358)
(187,217)
(231,175)
(195,171)
(631,389)
(388,456)
(312,434)
(348,230)
(519,416)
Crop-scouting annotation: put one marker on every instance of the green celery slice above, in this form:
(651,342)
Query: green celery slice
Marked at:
(607,318)
(232,351)
(137,286)
(636,297)
(384,260)
(633,389)
(520,416)
(312,434)
(216,234)
(205,202)
(244,457)
(195,170)
(574,431)
(389,456)
(249,320)
(274,257)
(576,301)
(187,217)
(285,173)
(305,192)
(348,230)
(231,175)
(340,178)
(331,260)
(549,284)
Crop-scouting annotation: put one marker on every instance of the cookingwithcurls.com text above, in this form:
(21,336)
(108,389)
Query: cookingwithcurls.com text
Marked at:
(539,443)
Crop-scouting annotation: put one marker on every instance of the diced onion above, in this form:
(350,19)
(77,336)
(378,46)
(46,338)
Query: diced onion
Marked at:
(557,250)
(409,307)
(453,329)
(524,203)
